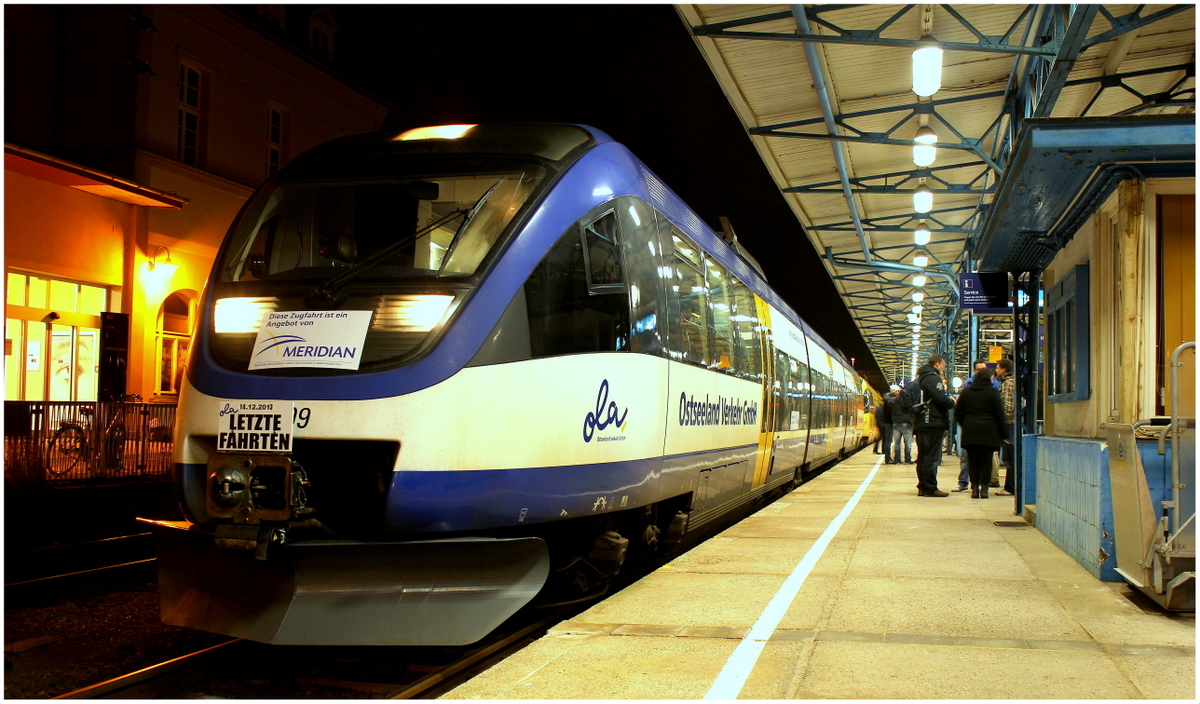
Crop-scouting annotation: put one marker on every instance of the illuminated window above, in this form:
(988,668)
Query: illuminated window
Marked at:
(692,336)
(51,338)
(173,342)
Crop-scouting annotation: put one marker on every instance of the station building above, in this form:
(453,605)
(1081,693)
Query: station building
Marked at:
(139,135)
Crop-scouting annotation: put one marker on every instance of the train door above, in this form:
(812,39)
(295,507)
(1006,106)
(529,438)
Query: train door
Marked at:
(772,396)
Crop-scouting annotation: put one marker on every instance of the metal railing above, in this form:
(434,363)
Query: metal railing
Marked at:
(70,442)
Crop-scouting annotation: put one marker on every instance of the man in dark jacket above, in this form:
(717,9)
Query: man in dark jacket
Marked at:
(931,424)
(902,429)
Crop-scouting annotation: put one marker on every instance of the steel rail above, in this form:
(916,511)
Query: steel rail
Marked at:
(66,575)
(473,659)
(120,685)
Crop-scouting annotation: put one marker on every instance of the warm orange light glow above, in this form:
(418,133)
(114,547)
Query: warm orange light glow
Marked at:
(436,132)
(241,314)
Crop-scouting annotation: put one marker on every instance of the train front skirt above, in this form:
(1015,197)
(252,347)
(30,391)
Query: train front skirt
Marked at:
(437,592)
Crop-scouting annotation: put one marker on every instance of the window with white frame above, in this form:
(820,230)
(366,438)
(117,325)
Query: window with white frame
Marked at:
(187,142)
(51,338)
(174,342)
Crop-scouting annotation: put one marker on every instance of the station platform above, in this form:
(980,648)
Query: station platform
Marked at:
(853,587)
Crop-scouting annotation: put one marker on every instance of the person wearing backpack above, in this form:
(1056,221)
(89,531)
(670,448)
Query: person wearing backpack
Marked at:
(902,429)
(931,419)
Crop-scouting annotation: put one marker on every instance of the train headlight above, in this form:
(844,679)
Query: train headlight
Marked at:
(412,312)
(241,314)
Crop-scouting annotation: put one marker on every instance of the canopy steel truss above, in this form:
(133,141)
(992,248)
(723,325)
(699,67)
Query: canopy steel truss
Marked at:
(1046,43)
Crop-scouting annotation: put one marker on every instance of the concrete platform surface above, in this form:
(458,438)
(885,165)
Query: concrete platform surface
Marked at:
(909,598)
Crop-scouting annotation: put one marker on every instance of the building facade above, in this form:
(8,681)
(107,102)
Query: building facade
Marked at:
(133,137)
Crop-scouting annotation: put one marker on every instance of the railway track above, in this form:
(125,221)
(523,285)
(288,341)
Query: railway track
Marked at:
(34,576)
(378,674)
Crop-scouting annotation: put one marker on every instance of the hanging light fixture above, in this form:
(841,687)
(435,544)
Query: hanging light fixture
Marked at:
(927,68)
(916,328)
(924,147)
(920,260)
(921,235)
(166,267)
(918,296)
(923,200)
(918,309)
(912,318)
(919,280)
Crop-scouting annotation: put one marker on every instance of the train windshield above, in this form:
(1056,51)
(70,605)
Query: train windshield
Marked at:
(333,232)
(400,227)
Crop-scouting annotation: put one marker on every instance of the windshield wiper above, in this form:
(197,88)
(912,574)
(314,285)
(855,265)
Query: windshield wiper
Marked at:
(467,222)
(333,283)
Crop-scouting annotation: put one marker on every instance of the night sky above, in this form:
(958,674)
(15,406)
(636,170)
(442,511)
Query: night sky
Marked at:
(632,71)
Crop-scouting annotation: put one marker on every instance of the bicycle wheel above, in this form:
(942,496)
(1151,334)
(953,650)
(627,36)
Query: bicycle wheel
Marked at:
(67,449)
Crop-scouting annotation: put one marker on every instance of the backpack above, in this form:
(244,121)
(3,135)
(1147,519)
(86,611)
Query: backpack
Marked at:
(911,398)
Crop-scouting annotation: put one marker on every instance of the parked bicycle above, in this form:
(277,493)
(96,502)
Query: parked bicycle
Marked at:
(72,442)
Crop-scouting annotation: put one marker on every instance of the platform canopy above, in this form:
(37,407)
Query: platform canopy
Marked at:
(826,93)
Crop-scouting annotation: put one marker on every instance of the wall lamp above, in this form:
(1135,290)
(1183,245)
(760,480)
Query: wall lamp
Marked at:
(165,266)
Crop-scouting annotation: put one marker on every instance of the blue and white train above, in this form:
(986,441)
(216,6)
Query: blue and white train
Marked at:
(439,372)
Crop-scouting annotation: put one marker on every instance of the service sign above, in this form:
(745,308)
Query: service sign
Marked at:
(983,291)
(255,426)
(306,338)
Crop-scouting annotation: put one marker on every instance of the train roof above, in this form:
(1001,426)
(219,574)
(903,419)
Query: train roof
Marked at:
(559,146)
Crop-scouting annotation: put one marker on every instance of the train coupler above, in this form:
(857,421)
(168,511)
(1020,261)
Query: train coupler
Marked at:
(251,489)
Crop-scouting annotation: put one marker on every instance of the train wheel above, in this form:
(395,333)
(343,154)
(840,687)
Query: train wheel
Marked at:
(67,449)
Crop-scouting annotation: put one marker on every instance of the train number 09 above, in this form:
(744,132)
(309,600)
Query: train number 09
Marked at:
(300,416)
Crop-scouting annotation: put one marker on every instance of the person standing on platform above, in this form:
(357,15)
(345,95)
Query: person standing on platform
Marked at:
(1008,389)
(963,474)
(883,418)
(902,428)
(980,413)
(930,423)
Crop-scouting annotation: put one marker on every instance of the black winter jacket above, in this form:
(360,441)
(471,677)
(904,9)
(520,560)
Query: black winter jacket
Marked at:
(899,415)
(980,413)
(883,414)
(938,402)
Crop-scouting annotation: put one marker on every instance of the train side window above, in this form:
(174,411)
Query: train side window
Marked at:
(644,270)
(603,254)
(568,312)
(798,376)
(693,302)
(720,309)
(745,323)
(821,414)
